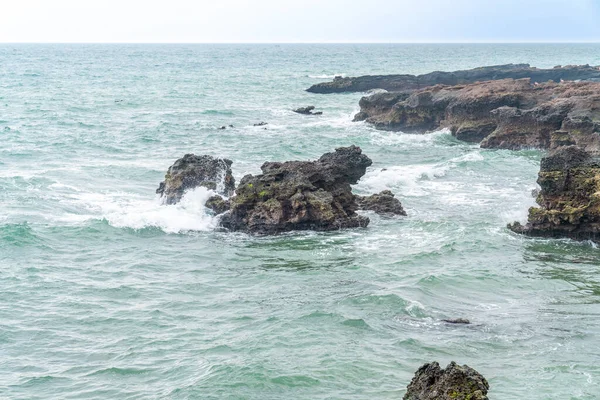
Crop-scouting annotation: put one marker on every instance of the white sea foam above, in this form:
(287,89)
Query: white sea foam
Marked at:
(128,211)
(410,178)
(383,138)
(325,76)
(405,177)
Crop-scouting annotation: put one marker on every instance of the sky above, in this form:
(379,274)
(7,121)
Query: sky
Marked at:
(298,21)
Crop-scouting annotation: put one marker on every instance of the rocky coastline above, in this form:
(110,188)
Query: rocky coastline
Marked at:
(406,83)
(504,114)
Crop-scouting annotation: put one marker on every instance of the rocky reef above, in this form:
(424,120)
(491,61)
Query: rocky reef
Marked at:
(569,200)
(383,203)
(307,111)
(506,114)
(193,171)
(300,195)
(398,83)
(456,382)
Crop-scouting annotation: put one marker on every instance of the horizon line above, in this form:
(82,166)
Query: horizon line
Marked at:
(322,42)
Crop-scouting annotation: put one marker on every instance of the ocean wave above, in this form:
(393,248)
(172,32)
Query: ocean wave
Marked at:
(124,211)
(325,76)
(401,139)
(406,177)
(410,177)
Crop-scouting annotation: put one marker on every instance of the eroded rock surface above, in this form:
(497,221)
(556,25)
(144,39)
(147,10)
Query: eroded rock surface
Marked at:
(300,195)
(399,83)
(456,382)
(507,114)
(569,200)
(193,171)
(383,203)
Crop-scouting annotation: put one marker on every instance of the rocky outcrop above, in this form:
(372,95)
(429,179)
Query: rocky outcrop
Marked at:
(217,204)
(398,83)
(453,383)
(507,114)
(569,200)
(307,111)
(300,195)
(193,171)
(383,203)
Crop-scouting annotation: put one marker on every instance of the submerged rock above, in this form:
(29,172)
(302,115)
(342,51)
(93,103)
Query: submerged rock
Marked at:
(399,83)
(453,383)
(458,321)
(507,114)
(193,171)
(307,111)
(383,203)
(569,199)
(300,195)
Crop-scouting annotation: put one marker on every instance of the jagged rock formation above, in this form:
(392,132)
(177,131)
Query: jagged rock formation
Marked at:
(507,114)
(569,198)
(453,383)
(397,83)
(193,171)
(383,203)
(307,111)
(300,195)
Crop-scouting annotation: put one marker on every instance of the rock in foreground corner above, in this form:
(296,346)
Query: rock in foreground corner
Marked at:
(456,382)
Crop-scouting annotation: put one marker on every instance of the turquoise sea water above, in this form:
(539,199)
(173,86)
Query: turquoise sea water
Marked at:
(106,294)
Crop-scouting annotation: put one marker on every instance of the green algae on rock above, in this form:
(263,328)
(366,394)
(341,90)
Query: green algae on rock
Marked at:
(300,195)
(569,200)
(456,382)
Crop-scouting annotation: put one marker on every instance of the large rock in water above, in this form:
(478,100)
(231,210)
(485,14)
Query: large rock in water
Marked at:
(453,383)
(507,114)
(400,83)
(569,199)
(193,171)
(300,195)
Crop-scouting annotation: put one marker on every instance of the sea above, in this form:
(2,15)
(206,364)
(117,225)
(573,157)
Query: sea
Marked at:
(105,293)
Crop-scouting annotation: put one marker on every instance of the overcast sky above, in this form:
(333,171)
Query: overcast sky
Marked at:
(238,21)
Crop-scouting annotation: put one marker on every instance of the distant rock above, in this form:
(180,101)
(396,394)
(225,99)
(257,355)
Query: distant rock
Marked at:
(569,199)
(383,203)
(453,383)
(403,83)
(193,171)
(307,111)
(458,321)
(300,195)
(504,114)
